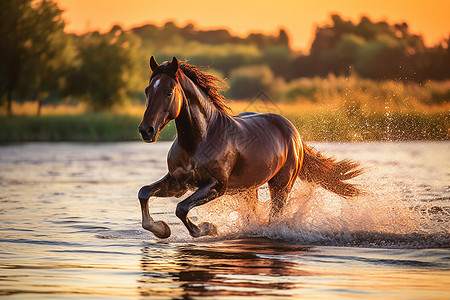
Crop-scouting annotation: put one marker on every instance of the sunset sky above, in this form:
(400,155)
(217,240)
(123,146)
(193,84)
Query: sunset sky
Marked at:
(430,18)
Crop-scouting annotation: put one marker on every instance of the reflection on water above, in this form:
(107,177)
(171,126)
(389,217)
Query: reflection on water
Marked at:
(70,228)
(273,269)
(229,268)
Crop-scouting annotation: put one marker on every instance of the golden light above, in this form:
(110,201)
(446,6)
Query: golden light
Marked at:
(299,18)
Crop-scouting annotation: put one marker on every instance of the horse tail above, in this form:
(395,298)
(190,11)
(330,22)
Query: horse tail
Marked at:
(329,173)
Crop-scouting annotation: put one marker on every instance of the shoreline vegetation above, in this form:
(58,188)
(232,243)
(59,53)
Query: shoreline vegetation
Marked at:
(342,122)
(334,109)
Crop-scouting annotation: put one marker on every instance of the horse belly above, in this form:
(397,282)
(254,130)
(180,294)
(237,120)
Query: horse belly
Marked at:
(255,168)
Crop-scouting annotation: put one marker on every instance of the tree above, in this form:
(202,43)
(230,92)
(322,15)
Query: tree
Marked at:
(278,58)
(247,82)
(31,34)
(381,58)
(49,61)
(103,72)
(339,59)
(377,50)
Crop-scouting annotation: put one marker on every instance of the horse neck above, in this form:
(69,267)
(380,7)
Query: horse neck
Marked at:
(196,115)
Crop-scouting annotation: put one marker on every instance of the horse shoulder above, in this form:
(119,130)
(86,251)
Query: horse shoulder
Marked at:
(177,159)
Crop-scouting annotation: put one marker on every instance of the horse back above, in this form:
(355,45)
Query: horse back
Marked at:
(271,125)
(265,142)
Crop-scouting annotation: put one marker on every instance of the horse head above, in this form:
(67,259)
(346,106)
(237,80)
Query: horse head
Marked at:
(164,99)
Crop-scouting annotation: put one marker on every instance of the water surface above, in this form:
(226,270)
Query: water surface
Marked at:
(70,228)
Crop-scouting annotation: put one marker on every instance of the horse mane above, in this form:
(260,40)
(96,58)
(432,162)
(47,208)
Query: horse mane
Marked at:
(207,82)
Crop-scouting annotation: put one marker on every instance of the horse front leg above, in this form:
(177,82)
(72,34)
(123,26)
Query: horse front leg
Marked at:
(202,196)
(165,187)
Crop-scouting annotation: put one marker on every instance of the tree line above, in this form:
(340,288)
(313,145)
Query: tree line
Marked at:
(40,61)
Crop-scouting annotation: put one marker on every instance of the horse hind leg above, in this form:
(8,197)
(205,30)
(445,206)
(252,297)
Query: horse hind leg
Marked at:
(279,196)
(280,186)
(249,212)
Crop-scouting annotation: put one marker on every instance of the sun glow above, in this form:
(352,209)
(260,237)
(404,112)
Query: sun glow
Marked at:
(299,18)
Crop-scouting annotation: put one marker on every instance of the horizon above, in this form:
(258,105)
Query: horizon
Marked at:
(298,18)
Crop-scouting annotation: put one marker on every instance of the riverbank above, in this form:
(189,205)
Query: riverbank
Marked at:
(325,126)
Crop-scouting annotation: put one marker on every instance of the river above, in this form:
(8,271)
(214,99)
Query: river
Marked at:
(70,229)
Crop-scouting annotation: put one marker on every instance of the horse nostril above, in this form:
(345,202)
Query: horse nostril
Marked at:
(147,133)
(151,130)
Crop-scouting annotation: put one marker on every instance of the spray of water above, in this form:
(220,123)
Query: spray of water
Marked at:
(381,217)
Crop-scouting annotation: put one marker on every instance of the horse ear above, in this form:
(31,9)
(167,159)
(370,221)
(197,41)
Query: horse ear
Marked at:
(174,65)
(153,63)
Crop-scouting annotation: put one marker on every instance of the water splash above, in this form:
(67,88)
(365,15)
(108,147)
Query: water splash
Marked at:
(387,215)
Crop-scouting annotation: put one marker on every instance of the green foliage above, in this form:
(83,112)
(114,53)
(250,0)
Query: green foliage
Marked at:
(380,56)
(339,59)
(279,59)
(91,127)
(248,82)
(343,127)
(86,127)
(375,50)
(326,126)
(224,57)
(371,96)
(302,89)
(157,37)
(31,47)
(104,69)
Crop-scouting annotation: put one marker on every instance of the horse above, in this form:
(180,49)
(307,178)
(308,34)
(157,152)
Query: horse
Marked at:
(217,153)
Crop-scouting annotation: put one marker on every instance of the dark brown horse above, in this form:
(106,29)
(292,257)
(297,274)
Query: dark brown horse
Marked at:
(216,153)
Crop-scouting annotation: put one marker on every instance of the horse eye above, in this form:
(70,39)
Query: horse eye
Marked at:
(169,93)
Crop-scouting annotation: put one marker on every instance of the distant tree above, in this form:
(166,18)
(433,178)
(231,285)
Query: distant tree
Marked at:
(283,38)
(104,71)
(248,82)
(377,50)
(279,59)
(30,31)
(340,59)
(381,58)
(302,66)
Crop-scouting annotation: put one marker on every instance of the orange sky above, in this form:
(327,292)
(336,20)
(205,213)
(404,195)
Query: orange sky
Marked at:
(430,18)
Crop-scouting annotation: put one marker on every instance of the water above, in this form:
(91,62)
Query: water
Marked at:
(70,228)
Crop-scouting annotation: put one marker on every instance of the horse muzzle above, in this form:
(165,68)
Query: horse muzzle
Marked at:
(148,134)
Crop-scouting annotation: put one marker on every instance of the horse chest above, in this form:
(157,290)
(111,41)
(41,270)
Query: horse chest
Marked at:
(194,170)
(184,174)
(190,175)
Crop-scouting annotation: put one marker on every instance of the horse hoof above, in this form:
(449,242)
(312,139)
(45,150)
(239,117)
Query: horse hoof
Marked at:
(161,230)
(208,229)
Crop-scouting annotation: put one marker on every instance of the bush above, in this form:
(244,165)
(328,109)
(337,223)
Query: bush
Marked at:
(300,89)
(248,82)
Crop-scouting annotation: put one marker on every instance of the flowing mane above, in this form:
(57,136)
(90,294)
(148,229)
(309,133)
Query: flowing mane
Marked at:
(208,83)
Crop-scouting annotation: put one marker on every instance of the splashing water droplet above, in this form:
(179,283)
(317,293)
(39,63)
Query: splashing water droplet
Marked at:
(312,215)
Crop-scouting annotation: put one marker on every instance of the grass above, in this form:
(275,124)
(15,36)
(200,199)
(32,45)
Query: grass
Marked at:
(369,95)
(325,126)
(340,127)
(89,127)
(331,109)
